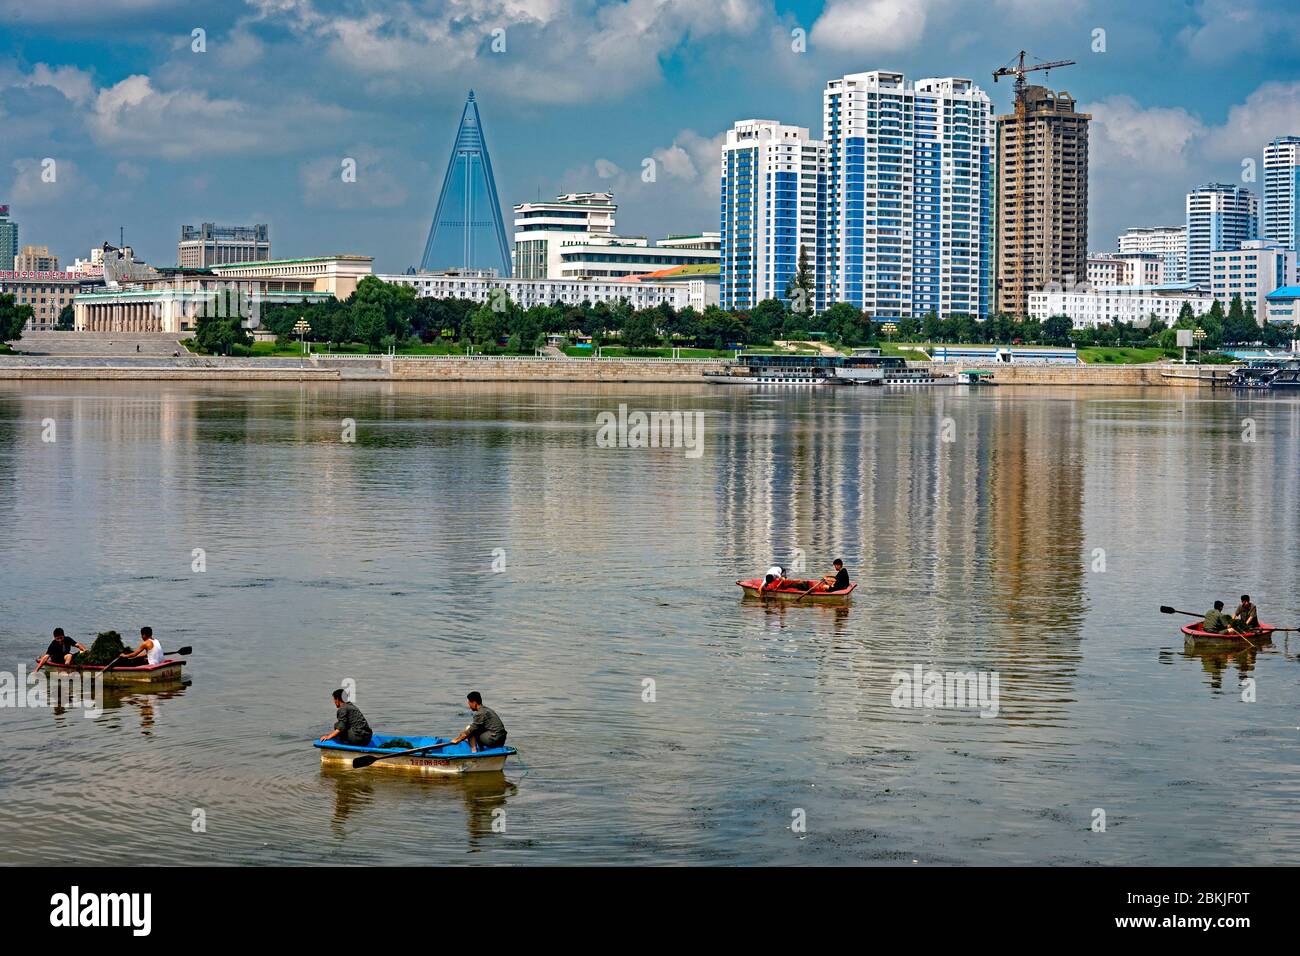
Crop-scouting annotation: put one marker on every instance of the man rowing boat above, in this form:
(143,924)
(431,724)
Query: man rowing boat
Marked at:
(351,727)
(150,648)
(774,578)
(60,650)
(1216,622)
(1246,618)
(485,730)
(839,581)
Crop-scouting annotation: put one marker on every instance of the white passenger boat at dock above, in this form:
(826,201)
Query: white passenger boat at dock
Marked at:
(862,367)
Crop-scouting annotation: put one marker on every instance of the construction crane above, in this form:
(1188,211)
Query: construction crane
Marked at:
(1019,70)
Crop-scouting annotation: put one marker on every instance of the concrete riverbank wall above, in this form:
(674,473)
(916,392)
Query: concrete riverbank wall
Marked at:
(501,369)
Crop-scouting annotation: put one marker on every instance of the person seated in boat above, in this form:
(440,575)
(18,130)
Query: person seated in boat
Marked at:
(839,581)
(485,729)
(1246,618)
(774,578)
(149,652)
(1216,622)
(60,650)
(350,727)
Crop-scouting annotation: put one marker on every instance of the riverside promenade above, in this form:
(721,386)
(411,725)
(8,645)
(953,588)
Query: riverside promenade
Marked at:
(152,357)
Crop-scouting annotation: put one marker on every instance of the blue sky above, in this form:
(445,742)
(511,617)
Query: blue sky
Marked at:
(147,133)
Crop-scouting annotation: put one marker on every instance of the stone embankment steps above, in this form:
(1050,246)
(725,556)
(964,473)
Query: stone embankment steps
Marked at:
(99,344)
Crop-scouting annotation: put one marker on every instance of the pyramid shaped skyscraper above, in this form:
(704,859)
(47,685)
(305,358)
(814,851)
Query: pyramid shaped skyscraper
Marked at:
(467,230)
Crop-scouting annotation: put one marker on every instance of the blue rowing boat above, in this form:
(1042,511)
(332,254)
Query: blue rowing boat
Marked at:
(452,760)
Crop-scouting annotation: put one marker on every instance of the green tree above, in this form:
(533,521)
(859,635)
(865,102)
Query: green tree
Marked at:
(801,289)
(12,318)
(766,320)
(931,328)
(67,319)
(220,335)
(1056,330)
(639,331)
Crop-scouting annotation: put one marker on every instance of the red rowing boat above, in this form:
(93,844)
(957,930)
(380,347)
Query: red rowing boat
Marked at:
(1193,632)
(754,588)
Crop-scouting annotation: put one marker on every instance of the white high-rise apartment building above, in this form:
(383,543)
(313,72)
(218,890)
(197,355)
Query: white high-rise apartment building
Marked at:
(1169,242)
(773,177)
(909,196)
(1281,191)
(1219,217)
(1259,267)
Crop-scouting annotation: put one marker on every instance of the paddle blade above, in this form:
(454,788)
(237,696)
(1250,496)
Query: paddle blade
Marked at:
(360,763)
(1166,609)
(184,650)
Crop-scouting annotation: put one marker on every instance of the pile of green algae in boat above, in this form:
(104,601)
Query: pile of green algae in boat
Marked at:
(108,645)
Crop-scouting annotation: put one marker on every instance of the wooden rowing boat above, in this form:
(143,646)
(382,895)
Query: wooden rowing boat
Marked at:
(167,671)
(1192,634)
(754,588)
(453,760)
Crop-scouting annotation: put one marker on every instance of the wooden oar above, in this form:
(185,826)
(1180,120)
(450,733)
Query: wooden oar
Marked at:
(181,652)
(808,592)
(365,760)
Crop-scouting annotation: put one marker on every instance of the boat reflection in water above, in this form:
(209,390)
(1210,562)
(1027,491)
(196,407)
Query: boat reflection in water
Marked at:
(357,792)
(1217,659)
(68,700)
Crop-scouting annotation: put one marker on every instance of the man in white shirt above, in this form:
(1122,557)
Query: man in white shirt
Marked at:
(772,580)
(150,649)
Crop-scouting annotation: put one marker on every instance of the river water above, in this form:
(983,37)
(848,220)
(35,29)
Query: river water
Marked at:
(478,536)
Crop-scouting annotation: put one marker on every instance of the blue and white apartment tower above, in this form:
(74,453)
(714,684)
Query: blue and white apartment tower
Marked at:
(1280,215)
(909,196)
(1220,217)
(773,184)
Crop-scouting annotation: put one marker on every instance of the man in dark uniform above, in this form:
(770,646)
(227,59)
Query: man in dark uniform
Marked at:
(351,727)
(1247,617)
(485,730)
(839,581)
(1216,622)
(60,650)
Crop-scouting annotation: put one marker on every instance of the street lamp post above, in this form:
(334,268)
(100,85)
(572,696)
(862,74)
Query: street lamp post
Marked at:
(889,328)
(302,328)
(1199,335)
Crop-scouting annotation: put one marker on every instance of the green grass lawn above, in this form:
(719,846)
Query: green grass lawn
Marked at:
(618,351)
(1121,356)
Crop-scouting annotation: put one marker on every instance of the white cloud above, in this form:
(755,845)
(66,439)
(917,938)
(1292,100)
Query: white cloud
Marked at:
(378,182)
(135,117)
(47,180)
(1272,110)
(66,11)
(871,26)
(555,51)
(1128,137)
(76,85)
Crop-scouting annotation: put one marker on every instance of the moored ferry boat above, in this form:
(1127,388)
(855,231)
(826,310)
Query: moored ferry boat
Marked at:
(893,369)
(1267,373)
(783,370)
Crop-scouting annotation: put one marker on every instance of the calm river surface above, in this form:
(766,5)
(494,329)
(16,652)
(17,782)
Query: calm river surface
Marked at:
(1038,543)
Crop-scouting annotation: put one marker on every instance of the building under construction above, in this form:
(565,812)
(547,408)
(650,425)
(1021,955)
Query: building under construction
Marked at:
(1042,198)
